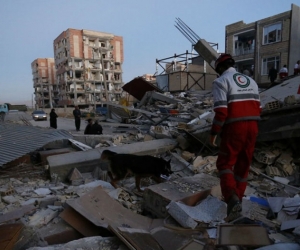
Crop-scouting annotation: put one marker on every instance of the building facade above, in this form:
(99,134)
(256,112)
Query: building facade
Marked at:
(44,83)
(266,43)
(88,67)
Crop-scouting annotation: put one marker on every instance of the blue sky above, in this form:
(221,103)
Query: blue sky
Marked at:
(28,28)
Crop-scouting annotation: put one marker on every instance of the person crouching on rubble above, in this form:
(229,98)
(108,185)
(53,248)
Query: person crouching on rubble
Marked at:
(237,110)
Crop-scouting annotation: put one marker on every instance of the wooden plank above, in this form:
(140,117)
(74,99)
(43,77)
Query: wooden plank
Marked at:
(9,235)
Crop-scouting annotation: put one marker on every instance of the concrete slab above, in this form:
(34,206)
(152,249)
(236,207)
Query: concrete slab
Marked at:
(86,161)
(158,196)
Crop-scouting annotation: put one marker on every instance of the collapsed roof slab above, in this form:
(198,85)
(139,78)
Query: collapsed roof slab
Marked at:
(138,87)
(18,140)
(86,161)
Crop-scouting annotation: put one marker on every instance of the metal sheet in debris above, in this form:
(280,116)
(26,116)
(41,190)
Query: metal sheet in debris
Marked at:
(242,235)
(17,140)
(138,87)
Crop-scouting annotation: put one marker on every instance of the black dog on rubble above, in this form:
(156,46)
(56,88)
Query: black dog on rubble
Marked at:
(140,165)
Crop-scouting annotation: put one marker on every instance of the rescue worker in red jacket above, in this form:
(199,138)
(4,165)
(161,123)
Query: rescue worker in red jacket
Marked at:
(237,109)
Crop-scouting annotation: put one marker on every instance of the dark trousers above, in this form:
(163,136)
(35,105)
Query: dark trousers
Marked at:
(77,124)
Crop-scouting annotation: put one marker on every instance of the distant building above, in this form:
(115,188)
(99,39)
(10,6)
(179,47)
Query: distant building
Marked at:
(149,77)
(272,41)
(44,83)
(88,67)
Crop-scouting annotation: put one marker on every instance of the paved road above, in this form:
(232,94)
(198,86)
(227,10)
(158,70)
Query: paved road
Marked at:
(69,124)
(62,123)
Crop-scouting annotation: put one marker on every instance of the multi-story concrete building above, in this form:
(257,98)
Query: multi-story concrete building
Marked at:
(44,83)
(272,41)
(88,67)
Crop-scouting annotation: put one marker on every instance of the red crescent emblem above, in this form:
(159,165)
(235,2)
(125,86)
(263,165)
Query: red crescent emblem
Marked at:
(239,79)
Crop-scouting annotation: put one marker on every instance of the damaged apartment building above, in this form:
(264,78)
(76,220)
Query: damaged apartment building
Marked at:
(88,66)
(272,41)
(44,84)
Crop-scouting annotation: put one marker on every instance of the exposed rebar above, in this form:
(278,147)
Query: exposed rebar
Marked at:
(187,31)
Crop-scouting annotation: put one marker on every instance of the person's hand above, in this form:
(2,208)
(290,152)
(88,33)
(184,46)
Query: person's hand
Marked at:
(213,140)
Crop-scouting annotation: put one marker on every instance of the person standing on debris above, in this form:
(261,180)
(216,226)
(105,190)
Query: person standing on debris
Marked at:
(96,128)
(53,119)
(237,110)
(283,72)
(77,116)
(272,75)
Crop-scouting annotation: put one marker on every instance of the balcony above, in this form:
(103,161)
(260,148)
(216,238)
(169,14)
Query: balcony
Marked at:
(243,51)
(244,43)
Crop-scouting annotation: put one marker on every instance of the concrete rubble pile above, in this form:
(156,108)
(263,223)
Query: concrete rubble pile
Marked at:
(72,205)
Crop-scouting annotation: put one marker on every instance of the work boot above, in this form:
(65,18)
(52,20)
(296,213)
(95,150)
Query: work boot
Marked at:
(234,208)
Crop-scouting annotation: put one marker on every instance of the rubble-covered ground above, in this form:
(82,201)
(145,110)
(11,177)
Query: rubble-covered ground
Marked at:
(41,210)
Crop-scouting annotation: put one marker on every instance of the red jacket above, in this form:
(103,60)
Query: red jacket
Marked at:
(236,98)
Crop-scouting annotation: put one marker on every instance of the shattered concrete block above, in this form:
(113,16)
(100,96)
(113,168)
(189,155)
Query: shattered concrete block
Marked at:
(6,191)
(31,201)
(187,155)
(209,168)
(199,161)
(42,217)
(43,203)
(117,140)
(139,136)
(160,132)
(273,171)
(264,157)
(266,188)
(42,191)
(211,209)
(284,163)
(272,105)
(74,175)
(9,199)
(290,100)
(211,159)
(181,216)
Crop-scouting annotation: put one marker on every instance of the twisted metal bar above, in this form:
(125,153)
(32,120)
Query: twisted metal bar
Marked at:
(187,31)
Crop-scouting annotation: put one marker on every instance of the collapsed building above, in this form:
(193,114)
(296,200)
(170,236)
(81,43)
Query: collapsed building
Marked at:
(88,70)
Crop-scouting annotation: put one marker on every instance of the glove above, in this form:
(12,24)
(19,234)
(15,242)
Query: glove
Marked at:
(213,140)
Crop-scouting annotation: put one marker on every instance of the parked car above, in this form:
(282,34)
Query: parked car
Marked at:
(39,115)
